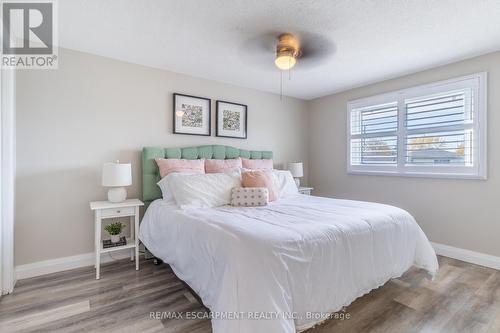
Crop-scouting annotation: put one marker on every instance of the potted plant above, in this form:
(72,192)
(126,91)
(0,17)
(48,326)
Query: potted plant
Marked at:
(114,229)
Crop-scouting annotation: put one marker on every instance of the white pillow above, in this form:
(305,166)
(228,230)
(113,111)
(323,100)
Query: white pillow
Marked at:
(202,190)
(165,190)
(284,183)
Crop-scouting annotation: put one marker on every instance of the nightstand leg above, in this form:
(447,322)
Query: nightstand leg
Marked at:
(136,238)
(132,237)
(95,240)
(97,244)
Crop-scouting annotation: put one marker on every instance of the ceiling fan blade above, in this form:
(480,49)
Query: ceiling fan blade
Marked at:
(259,51)
(315,50)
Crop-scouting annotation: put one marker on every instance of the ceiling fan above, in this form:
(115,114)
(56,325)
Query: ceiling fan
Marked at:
(304,48)
(310,49)
(273,49)
(301,50)
(307,50)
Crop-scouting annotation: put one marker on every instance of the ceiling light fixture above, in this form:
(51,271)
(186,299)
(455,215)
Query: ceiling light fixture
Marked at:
(285,61)
(287,52)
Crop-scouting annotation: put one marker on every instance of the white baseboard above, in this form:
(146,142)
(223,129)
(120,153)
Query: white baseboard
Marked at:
(61,264)
(472,257)
(87,259)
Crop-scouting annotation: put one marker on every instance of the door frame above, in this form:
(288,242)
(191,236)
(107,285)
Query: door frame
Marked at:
(7,179)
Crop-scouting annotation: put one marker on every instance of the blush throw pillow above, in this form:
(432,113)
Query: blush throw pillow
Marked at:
(169,165)
(265,164)
(249,196)
(223,166)
(260,178)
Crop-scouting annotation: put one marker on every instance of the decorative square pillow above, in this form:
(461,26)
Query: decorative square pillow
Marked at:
(249,196)
(265,164)
(169,165)
(260,178)
(223,166)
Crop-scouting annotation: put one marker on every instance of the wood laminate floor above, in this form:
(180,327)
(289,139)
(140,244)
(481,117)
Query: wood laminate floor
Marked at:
(462,298)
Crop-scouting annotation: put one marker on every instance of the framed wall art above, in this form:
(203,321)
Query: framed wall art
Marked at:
(192,115)
(231,120)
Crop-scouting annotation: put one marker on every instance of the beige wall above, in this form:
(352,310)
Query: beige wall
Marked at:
(94,109)
(460,213)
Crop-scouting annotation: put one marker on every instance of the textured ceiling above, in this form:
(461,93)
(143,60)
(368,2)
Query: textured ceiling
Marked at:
(225,40)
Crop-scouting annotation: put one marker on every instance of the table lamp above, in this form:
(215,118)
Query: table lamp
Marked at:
(116,176)
(297,171)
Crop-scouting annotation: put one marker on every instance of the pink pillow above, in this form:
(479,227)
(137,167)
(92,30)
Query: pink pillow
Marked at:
(223,166)
(257,164)
(260,178)
(170,165)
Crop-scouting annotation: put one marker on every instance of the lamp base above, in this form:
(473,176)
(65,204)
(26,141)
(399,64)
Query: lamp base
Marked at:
(297,182)
(117,194)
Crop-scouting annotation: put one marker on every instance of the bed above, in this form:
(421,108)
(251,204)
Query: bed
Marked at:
(283,267)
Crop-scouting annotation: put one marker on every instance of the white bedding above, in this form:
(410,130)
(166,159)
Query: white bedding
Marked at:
(289,262)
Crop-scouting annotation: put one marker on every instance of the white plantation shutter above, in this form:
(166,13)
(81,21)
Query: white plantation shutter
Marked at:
(373,135)
(439,129)
(433,130)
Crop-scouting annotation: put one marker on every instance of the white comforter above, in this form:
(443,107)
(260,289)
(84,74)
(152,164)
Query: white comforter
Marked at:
(288,264)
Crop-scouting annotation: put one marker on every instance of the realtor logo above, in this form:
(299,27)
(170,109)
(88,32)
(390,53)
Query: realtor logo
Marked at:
(29,34)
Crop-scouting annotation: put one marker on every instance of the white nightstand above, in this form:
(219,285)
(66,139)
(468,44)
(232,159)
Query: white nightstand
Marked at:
(106,210)
(305,190)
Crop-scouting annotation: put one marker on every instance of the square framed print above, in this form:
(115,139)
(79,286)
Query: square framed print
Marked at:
(231,120)
(192,115)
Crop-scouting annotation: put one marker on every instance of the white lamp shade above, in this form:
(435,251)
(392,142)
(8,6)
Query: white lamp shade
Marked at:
(296,169)
(116,174)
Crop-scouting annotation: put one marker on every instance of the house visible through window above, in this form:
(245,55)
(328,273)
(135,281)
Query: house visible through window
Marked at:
(436,130)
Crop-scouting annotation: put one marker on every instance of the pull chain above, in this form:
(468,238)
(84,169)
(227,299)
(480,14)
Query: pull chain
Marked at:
(289,69)
(281,85)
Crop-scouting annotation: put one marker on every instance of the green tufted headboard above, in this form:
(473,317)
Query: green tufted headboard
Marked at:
(151,175)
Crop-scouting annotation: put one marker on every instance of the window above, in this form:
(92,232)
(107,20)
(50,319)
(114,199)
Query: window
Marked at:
(436,130)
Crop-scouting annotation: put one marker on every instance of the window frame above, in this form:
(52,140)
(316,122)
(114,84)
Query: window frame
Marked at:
(477,82)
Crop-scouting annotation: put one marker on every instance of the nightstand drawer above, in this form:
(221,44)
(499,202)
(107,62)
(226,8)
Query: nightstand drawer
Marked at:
(115,212)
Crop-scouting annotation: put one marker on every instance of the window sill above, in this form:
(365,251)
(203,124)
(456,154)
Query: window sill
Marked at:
(418,174)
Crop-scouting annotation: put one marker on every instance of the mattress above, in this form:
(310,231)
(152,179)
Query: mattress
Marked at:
(286,266)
